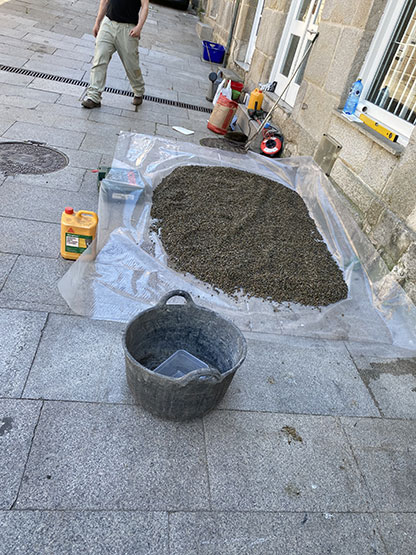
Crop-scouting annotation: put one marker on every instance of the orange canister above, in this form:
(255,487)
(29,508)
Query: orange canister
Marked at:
(256,100)
(78,230)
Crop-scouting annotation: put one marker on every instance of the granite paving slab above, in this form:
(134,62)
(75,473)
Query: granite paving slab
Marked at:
(95,533)
(34,305)
(114,457)
(50,135)
(20,332)
(198,126)
(299,375)
(56,86)
(265,533)
(385,452)
(67,179)
(74,102)
(75,55)
(33,280)
(6,264)
(363,353)
(191,121)
(19,236)
(393,386)
(56,62)
(54,116)
(146,113)
(398,531)
(20,52)
(5,124)
(390,375)
(89,182)
(17,423)
(102,143)
(14,97)
(269,462)
(39,203)
(15,61)
(67,112)
(153,111)
(15,78)
(59,70)
(96,373)
(190,98)
(82,158)
(395,395)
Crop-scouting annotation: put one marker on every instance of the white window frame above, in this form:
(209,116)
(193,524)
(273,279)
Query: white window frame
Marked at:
(372,62)
(254,32)
(305,30)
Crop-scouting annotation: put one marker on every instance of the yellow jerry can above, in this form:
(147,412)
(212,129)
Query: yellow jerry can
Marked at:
(77,231)
(256,100)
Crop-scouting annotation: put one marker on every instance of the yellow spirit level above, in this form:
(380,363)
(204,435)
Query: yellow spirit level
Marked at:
(390,135)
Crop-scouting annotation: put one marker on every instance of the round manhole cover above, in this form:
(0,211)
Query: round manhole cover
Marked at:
(30,158)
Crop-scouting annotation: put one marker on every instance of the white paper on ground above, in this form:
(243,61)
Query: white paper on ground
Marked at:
(183,130)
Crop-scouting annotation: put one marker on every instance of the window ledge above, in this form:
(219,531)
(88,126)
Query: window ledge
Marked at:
(394,148)
(272,97)
(243,65)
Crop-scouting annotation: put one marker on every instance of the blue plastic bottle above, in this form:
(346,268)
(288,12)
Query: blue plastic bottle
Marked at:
(353,97)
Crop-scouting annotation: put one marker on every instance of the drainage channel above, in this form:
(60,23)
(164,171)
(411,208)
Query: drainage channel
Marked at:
(78,82)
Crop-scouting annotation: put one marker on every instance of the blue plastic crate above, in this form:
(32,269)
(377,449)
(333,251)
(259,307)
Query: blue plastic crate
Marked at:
(213,52)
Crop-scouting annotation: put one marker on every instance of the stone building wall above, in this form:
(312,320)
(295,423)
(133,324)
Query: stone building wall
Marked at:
(377,177)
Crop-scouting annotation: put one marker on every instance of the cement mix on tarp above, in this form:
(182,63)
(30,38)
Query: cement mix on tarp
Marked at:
(126,269)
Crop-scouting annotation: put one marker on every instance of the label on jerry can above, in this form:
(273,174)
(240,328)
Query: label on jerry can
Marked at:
(77,243)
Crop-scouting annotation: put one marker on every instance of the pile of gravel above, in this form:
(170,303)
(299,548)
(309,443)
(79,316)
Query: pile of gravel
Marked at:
(239,231)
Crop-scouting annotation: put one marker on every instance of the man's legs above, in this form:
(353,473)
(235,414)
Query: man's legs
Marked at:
(104,49)
(128,50)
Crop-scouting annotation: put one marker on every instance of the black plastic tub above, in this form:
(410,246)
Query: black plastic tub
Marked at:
(155,334)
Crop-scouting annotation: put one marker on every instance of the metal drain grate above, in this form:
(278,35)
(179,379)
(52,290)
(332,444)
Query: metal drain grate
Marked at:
(30,158)
(78,82)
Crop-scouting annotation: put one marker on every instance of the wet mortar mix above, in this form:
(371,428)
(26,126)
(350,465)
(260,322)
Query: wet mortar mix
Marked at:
(241,232)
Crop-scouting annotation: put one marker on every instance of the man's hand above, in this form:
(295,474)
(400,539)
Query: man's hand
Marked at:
(95,29)
(135,32)
(100,16)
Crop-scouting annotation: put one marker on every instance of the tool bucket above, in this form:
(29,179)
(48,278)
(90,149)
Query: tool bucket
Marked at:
(155,334)
(212,52)
(222,115)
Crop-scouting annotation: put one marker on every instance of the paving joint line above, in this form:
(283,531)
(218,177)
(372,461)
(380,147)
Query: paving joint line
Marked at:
(369,496)
(242,411)
(367,386)
(27,458)
(206,462)
(35,353)
(213,511)
(11,269)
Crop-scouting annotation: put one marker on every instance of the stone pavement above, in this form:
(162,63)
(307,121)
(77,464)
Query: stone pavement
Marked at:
(82,469)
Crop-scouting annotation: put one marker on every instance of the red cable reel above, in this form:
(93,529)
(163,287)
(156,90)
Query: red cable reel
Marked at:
(272,143)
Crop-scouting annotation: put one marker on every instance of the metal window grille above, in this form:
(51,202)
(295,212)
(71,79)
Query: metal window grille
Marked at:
(394,85)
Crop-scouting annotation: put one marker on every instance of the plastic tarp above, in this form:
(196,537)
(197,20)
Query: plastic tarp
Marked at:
(126,269)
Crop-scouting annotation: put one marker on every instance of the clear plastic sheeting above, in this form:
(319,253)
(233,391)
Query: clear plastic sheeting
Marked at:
(126,269)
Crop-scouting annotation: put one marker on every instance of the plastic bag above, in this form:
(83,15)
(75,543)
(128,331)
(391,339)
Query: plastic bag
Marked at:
(225,91)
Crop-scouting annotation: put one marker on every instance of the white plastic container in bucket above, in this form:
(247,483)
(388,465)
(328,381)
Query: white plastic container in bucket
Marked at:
(157,333)
(179,364)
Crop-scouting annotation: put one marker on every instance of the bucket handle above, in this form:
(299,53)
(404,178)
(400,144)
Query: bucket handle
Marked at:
(176,293)
(211,375)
